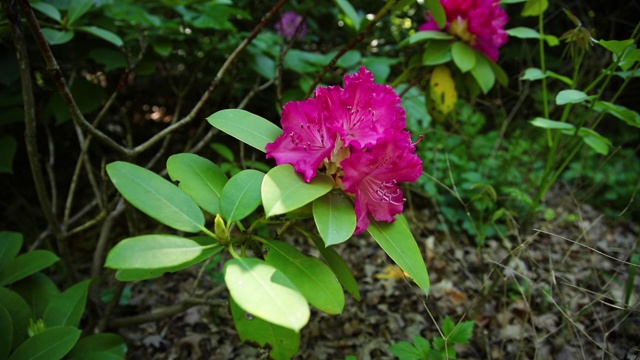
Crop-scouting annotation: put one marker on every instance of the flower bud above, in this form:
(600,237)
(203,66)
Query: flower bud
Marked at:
(220,230)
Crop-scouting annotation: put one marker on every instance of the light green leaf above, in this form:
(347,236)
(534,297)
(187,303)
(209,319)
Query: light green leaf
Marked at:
(335,217)
(436,53)
(53,343)
(483,74)
(47,9)
(284,190)
(534,7)
(265,292)
(397,241)
(437,11)
(423,345)
(102,33)
(105,342)
(616,46)
(241,195)
(523,33)
(463,56)
(56,37)
(339,267)
(6,333)
(198,177)
(404,350)
(551,124)
(571,97)
(20,314)
(282,343)
(156,197)
(25,265)
(596,141)
(421,36)
(155,251)
(351,13)
(251,129)
(77,8)
(532,74)
(625,114)
(312,277)
(10,244)
(68,306)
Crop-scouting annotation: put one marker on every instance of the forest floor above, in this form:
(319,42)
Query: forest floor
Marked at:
(558,293)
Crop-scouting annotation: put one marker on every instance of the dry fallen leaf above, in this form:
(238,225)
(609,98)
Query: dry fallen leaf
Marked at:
(392,272)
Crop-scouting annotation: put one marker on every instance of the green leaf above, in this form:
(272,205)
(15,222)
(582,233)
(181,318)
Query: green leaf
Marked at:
(37,290)
(6,333)
(436,53)
(351,13)
(99,343)
(616,46)
(551,124)
(423,346)
(625,114)
(596,141)
(405,351)
(155,251)
(48,10)
(523,33)
(20,314)
(571,97)
(156,197)
(462,333)
(10,244)
(56,37)
(25,265)
(144,274)
(339,267)
(198,177)
(224,151)
(88,97)
(437,11)
(241,195)
(534,7)
(265,292)
(51,344)
(421,36)
(77,8)
(312,277)
(483,73)
(397,241)
(499,73)
(8,147)
(536,74)
(463,56)
(103,34)
(68,306)
(335,217)
(109,57)
(284,190)
(282,343)
(251,129)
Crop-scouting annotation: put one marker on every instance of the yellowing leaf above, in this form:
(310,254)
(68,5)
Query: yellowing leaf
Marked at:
(442,93)
(392,272)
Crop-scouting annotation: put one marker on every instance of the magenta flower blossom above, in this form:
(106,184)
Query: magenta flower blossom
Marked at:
(356,135)
(480,23)
(290,25)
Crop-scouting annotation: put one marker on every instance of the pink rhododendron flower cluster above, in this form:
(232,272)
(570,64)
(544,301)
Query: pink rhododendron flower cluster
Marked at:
(357,135)
(480,23)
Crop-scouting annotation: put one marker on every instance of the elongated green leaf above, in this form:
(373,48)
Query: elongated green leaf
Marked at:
(8,147)
(156,251)
(251,129)
(616,46)
(339,267)
(10,244)
(534,7)
(37,290)
(20,314)
(335,217)
(53,343)
(523,33)
(56,37)
(483,73)
(198,177)
(156,196)
(68,306)
(351,13)
(596,141)
(625,114)
(25,265)
(421,36)
(436,53)
(6,333)
(47,9)
(437,11)
(241,195)
(144,274)
(397,241)
(105,342)
(265,292)
(571,97)
(282,343)
(463,56)
(536,74)
(284,190)
(551,124)
(77,8)
(103,34)
(311,276)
